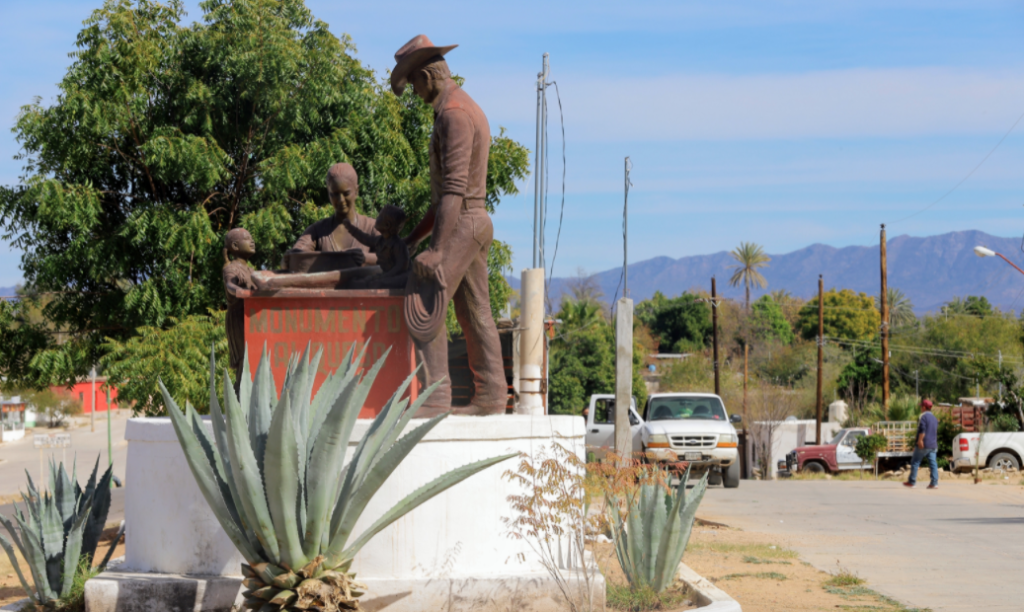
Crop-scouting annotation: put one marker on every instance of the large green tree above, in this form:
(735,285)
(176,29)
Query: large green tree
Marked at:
(165,136)
(848,316)
(680,324)
(768,322)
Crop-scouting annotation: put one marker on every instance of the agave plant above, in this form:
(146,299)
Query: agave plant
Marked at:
(60,529)
(651,540)
(273,472)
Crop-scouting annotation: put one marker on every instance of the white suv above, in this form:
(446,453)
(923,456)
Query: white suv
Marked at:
(692,427)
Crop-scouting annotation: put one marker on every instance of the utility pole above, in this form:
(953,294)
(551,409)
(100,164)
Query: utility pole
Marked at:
(746,353)
(821,352)
(885,331)
(917,384)
(714,336)
(1000,372)
(624,348)
(539,179)
(531,318)
(92,413)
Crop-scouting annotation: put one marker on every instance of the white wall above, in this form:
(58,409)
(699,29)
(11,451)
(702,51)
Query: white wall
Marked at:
(172,530)
(787,435)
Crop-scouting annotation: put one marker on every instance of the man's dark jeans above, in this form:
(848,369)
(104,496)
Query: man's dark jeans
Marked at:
(915,462)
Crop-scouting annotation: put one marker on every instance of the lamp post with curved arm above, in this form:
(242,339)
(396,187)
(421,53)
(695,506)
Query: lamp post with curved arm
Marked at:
(981,251)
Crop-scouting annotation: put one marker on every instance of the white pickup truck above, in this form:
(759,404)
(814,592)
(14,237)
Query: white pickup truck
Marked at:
(675,427)
(1000,450)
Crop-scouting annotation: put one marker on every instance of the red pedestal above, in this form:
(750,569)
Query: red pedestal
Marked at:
(334,320)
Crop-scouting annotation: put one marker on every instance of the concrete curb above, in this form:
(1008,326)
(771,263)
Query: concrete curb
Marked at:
(16,606)
(710,597)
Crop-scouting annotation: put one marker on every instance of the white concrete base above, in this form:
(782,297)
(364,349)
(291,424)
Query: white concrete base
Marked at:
(455,543)
(12,435)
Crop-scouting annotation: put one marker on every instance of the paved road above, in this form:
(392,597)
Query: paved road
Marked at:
(86,445)
(955,549)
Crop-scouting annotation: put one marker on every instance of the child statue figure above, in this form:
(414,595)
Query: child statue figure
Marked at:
(390,248)
(237,277)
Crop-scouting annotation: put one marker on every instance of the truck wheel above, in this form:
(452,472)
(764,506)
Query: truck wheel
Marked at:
(731,475)
(1003,461)
(715,477)
(813,467)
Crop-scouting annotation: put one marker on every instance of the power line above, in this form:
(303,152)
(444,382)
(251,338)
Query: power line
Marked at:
(561,213)
(969,174)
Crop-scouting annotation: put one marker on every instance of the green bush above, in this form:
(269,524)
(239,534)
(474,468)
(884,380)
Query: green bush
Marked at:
(868,447)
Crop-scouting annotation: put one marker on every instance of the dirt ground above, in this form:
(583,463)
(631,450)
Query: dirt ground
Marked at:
(10,588)
(763,576)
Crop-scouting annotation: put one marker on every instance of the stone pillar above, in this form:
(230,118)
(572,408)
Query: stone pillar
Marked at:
(623,376)
(531,342)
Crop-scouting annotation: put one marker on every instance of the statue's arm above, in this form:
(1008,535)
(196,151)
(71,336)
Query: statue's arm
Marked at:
(370,240)
(422,230)
(306,242)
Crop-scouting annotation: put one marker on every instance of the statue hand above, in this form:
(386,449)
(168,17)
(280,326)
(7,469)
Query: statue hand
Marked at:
(358,255)
(427,264)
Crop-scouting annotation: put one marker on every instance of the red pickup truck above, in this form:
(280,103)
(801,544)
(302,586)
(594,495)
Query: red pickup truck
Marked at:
(841,453)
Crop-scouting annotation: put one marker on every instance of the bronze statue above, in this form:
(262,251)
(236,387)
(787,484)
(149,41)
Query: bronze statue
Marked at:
(454,267)
(390,248)
(331,234)
(237,277)
(342,259)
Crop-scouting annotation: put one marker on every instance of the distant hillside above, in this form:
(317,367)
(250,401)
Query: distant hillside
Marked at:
(929,271)
(7,291)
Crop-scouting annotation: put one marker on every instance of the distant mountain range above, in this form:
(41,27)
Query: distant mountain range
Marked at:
(7,291)
(930,271)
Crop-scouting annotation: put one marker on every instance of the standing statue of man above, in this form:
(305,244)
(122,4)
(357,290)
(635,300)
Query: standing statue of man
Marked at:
(455,265)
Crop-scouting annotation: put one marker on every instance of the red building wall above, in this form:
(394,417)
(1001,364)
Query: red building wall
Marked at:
(82,391)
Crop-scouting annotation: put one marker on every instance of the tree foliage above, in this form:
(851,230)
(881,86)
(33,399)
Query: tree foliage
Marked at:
(680,324)
(165,136)
(848,316)
(179,355)
(768,322)
(901,309)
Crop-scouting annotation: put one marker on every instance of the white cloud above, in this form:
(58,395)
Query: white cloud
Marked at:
(858,103)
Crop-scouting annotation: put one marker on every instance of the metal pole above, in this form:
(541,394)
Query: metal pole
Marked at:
(110,444)
(885,331)
(543,159)
(821,353)
(917,384)
(714,334)
(92,413)
(536,172)
(623,379)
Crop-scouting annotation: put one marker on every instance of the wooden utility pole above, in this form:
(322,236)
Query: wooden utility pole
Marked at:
(821,352)
(714,333)
(885,332)
(746,353)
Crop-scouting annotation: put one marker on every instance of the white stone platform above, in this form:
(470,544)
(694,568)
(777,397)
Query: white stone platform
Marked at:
(451,553)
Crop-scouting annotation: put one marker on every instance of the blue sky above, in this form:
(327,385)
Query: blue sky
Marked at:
(782,123)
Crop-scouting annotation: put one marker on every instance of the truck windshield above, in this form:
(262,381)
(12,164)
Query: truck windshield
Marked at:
(839,436)
(679,408)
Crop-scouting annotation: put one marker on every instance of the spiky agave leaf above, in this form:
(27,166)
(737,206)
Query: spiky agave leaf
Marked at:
(282,478)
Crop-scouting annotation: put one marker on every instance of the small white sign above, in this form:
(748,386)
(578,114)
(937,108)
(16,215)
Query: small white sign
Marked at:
(60,440)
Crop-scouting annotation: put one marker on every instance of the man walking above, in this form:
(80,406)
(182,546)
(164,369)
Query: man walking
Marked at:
(927,446)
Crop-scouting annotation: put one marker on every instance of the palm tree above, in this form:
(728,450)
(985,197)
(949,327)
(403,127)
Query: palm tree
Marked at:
(751,257)
(901,309)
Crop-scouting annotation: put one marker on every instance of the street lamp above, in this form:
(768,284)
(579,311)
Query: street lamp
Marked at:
(981,251)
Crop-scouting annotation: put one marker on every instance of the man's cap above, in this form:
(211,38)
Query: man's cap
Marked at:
(412,56)
(926,404)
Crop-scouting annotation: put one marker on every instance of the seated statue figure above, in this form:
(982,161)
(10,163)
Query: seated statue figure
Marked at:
(354,259)
(331,235)
(389,247)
